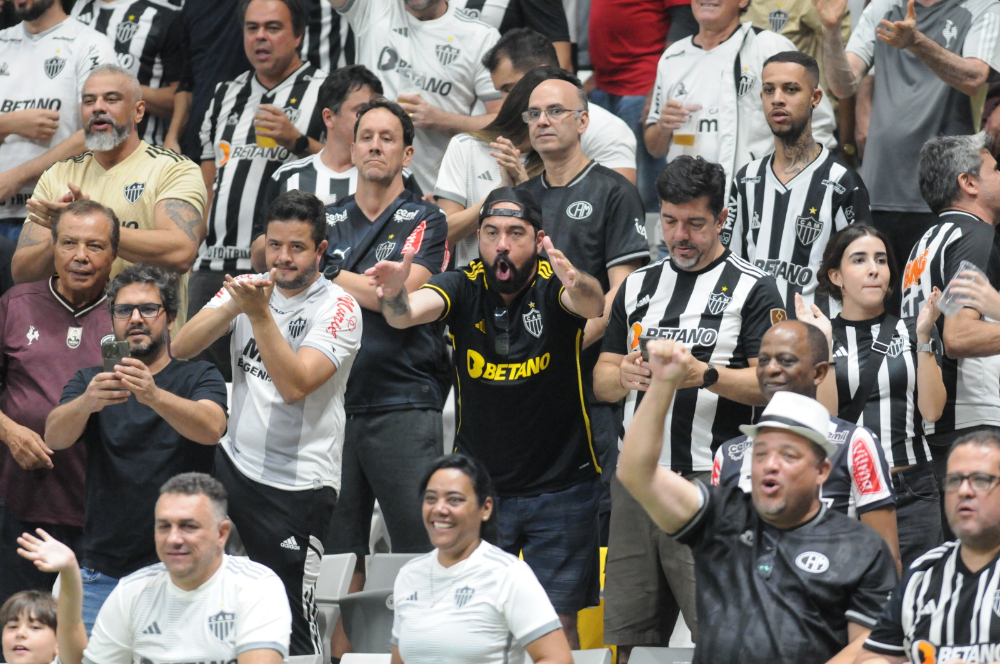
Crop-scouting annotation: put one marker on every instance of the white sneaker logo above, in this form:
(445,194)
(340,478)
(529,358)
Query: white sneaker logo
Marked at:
(290,543)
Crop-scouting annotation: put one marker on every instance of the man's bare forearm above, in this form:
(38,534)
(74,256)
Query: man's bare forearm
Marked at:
(396,309)
(28,172)
(33,260)
(587,297)
(198,421)
(839,73)
(159,101)
(65,424)
(966,75)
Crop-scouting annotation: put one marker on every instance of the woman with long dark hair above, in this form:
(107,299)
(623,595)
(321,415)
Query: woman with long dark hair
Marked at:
(467,600)
(886,378)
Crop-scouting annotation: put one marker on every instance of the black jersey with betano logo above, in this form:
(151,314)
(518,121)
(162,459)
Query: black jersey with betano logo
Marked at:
(394,369)
(521,408)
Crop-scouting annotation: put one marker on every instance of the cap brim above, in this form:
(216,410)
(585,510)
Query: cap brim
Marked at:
(829,447)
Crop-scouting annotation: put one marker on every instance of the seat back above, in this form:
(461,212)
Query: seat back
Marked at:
(644,655)
(367,617)
(334,576)
(384,567)
(365,658)
(592,656)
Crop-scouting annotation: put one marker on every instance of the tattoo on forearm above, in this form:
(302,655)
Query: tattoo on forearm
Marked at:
(185,216)
(398,305)
(29,237)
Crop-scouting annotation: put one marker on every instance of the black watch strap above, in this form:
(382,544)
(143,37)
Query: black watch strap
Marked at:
(710,377)
(301,145)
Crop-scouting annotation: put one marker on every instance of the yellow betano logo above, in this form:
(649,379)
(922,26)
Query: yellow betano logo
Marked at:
(478,367)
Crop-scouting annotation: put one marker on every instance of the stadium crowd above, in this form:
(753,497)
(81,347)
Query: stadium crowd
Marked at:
(684,308)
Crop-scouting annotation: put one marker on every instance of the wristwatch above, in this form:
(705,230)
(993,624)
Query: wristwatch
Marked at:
(332,271)
(929,347)
(301,145)
(710,377)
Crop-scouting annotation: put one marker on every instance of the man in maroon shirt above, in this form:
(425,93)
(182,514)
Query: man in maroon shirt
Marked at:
(48,330)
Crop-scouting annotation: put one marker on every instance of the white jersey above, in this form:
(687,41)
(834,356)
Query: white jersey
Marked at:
(148,619)
(482,610)
(292,446)
(441,60)
(46,70)
(469,173)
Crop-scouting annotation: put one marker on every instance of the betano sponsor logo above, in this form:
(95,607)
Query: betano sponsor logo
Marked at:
(796,274)
(9,105)
(478,367)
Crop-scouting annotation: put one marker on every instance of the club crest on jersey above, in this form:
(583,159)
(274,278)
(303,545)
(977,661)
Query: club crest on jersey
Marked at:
(681,90)
(297,327)
(73,337)
(579,210)
(134,191)
(4,70)
(533,322)
(125,31)
(32,335)
(755,222)
(717,303)
(54,66)
(812,562)
(808,229)
(996,603)
(746,82)
(463,595)
(292,113)
(384,250)
(896,346)
(446,53)
(221,624)
(777,19)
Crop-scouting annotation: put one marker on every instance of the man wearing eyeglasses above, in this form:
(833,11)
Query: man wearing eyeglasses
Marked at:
(151,418)
(516,323)
(945,607)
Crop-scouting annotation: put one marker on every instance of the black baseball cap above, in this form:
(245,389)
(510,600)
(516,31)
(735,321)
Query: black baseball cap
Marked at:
(530,211)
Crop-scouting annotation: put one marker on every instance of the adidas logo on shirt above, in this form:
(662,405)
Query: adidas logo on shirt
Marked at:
(840,352)
(402,31)
(290,543)
(485,175)
(412,598)
(152,629)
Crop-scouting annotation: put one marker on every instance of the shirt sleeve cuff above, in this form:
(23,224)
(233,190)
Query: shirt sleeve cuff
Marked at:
(698,516)
(883,648)
(540,632)
(262,645)
(641,255)
(458,198)
(861,619)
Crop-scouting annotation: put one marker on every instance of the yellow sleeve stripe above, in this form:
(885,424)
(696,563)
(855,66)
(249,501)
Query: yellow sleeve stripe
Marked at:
(444,296)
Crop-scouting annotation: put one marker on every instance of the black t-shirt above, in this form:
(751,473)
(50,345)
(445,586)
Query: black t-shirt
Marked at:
(394,369)
(131,452)
(521,413)
(770,595)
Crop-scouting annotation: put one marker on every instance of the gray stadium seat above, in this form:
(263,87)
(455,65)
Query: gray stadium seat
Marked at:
(383,568)
(644,655)
(332,584)
(367,617)
(365,658)
(592,656)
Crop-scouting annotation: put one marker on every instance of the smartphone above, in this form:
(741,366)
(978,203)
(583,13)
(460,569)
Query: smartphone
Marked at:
(643,340)
(113,352)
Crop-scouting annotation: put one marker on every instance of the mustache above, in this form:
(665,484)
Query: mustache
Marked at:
(103,117)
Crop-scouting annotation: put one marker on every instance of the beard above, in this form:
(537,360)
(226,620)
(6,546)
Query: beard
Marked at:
(685,263)
(35,11)
(793,132)
(420,5)
(105,141)
(301,280)
(150,349)
(519,274)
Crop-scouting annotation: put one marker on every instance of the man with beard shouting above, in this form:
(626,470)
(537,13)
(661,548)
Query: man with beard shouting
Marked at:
(516,322)
(149,419)
(158,195)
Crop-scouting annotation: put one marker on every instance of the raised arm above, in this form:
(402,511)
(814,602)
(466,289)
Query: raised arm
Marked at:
(582,293)
(669,499)
(844,71)
(65,424)
(205,327)
(401,308)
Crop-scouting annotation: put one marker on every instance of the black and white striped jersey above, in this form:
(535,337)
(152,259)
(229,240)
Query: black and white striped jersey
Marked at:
(328,41)
(720,313)
(891,410)
(973,383)
(242,167)
(784,228)
(941,611)
(148,42)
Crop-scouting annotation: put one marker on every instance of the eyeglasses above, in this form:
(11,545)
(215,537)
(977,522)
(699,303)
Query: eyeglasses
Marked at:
(554,114)
(146,310)
(501,320)
(980,482)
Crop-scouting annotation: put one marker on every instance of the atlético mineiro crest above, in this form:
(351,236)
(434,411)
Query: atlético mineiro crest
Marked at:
(74,336)
(54,66)
(384,250)
(297,327)
(292,113)
(134,191)
(895,346)
(446,53)
(996,603)
(221,624)
(126,31)
(808,229)
(746,82)
(717,303)
(533,322)
(463,595)
(777,19)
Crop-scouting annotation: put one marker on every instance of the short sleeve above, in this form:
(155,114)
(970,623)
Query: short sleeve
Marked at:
(854,206)
(430,241)
(98,51)
(888,636)
(525,605)
(76,386)
(974,246)
(362,13)
(625,230)
(449,286)
(336,332)
(616,332)
(211,386)
(983,40)
(264,619)
(869,471)
(453,177)
(483,81)
(111,639)
(613,145)
(869,597)
(183,181)
(862,41)
(763,308)
(547,17)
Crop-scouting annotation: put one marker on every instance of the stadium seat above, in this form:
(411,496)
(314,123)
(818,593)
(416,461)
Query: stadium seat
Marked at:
(367,617)
(334,579)
(644,655)
(383,568)
(365,658)
(592,656)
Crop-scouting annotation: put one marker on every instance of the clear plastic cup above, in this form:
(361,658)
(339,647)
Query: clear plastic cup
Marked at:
(687,134)
(948,303)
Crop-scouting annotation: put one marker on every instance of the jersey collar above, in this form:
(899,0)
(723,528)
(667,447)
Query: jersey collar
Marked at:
(572,183)
(69,305)
(284,81)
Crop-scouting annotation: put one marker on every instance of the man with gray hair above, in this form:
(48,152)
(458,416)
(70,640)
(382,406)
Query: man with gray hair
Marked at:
(143,420)
(158,195)
(961,184)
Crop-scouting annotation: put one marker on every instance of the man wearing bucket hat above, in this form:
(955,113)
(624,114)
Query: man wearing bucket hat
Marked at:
(780,577)
(516,323)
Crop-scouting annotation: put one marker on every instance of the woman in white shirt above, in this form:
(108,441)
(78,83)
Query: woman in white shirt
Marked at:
(468,601)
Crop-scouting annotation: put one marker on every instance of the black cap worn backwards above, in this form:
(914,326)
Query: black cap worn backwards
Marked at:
(529,211)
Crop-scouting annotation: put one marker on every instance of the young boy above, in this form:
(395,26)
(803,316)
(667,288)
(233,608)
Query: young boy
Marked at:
(29,628)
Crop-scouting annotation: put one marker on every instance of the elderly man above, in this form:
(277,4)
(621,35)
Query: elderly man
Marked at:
(48,331)
(778,573)
(196,605)
(158,195)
